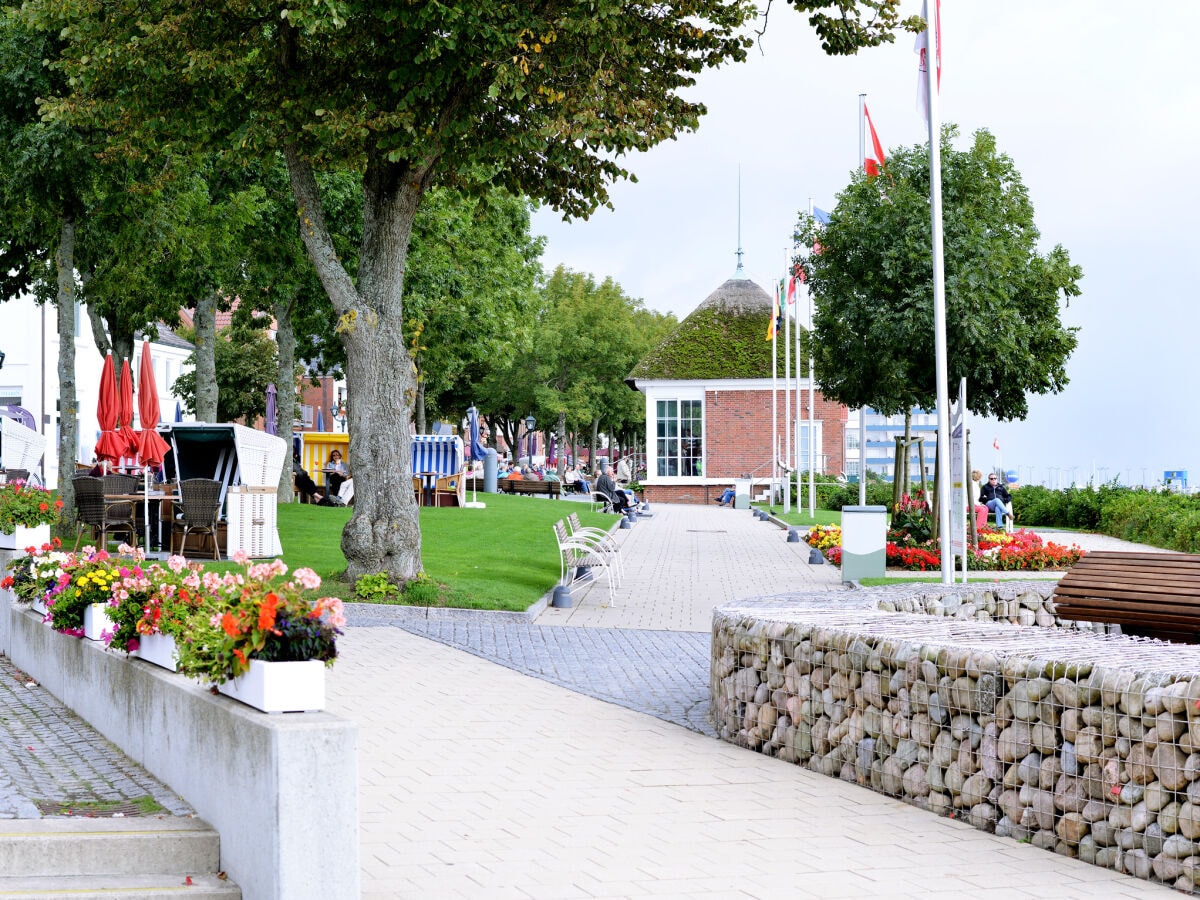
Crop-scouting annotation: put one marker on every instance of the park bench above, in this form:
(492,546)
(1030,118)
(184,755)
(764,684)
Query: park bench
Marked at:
(551,489)
(1148,594)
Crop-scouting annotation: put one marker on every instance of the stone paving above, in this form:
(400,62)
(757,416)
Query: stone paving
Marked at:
(51,761)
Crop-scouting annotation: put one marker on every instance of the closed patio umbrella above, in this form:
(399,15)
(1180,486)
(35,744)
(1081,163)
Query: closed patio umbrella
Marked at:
(151,447)
(269,418)
(110,446)
(125,432)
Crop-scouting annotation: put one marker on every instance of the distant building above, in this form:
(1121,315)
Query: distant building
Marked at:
(708,392)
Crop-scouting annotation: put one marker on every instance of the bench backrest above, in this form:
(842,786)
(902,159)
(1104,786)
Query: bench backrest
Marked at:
(1154,594)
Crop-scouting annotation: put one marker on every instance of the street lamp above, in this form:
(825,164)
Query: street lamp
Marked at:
(530,421)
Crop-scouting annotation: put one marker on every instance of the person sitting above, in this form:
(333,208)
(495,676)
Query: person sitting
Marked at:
(307,487)
(624,471)
(996,497)
(607,486)
(336,472)
(727,497)
(515,474)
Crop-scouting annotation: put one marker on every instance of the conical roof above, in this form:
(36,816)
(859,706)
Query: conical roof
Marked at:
(724,337)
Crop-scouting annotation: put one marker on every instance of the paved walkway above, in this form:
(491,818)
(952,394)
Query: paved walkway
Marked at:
(491,765)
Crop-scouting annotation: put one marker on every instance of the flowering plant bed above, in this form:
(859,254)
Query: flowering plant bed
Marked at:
(34,574)
(1022,550)
(26,506)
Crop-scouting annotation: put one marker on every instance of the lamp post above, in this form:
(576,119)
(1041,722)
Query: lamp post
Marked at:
(530,421)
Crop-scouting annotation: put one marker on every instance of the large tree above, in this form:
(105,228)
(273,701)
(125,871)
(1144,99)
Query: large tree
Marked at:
(872,282)
(544,100)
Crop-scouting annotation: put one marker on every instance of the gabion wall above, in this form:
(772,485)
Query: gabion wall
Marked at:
(978,704)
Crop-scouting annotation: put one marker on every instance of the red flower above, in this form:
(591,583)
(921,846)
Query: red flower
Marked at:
(266,613)
(229,624)
(58,503)
(42,507)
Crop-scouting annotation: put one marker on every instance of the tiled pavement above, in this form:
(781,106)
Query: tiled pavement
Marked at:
(478,780)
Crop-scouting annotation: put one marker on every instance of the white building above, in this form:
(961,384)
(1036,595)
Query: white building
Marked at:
(29,377)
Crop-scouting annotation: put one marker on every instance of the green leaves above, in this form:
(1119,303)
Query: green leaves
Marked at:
(873,286)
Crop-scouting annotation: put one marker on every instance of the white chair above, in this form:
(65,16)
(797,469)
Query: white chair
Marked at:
(601,540)
(574,555)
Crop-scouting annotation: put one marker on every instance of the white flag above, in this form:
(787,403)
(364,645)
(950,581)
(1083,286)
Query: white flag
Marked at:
(921,48)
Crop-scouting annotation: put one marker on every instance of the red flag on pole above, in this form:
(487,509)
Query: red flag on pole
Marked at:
(996,443)
(873,165)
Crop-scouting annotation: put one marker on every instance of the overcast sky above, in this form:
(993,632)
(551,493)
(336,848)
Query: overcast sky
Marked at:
(1099,107)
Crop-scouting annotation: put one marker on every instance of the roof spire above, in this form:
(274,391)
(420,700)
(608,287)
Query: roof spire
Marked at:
(739,273)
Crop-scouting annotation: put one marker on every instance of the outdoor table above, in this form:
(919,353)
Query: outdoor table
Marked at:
(138,500)
(428,485)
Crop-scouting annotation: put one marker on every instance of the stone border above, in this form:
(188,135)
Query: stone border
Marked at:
(976,701)
(282,790)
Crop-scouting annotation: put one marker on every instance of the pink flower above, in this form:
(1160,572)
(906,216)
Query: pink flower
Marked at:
(240,557)
(176,564)
(308,578)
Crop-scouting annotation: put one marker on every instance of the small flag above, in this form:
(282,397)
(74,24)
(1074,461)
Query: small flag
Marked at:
(996,443)
(820,215)
(791,289)
(773,327)
(921,48)
(873,165)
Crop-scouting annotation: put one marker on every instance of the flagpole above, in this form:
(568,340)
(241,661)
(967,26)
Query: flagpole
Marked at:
(812,402)
(774,399)
(787,395)
(932,76)
(862,415)
(796,461)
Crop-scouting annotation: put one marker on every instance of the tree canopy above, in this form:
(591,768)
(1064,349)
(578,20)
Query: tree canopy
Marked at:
(872,283)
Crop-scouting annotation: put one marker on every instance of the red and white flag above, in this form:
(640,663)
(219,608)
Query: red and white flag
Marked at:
(921,48)
(996,443)
(873,164)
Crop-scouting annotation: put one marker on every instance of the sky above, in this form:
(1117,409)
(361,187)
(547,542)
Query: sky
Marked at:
(1099,108)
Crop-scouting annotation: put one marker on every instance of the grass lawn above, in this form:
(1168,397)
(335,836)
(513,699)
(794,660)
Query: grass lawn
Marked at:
(503,557)
(800,516)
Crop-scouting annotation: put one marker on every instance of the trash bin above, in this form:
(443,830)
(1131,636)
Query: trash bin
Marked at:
(864,542)
(741,493)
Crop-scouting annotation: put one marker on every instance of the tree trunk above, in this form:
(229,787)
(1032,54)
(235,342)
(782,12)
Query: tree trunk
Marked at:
(593,447)
(562,446)
(285,389)
(384,534)
(206,358)
(419,405)
(68,406)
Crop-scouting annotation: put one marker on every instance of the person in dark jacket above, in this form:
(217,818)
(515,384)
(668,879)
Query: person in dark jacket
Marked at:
(995,496)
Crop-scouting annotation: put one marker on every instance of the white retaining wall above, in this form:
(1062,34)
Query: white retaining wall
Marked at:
(282,790)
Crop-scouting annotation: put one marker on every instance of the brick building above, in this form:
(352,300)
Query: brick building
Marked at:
(709,399)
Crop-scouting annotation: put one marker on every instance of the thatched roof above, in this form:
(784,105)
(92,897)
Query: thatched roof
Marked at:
(725,337)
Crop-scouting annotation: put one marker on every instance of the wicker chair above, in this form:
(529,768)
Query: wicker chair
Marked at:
(16,474)
(101,516)
(200,508)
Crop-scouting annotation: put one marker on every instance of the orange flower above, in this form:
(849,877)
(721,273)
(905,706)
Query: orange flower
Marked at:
(241,656)
(43,507)
(58,503)
(229,624)
(266,614)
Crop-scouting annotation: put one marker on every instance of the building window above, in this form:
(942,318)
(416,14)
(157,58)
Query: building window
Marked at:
(817,462)
(679,438)
(851,438)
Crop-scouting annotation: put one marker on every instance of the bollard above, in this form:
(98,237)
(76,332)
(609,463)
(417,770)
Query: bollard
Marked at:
(626,522)
(562,597)
(793,536)
(815,558)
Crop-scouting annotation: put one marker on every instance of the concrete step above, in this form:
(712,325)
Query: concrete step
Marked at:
(80,846)
(117,887)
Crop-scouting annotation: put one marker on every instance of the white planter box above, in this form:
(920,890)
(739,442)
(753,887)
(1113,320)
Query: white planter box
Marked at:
(25,537)
(158,649)
(39,606)
(96,621)
(276,687)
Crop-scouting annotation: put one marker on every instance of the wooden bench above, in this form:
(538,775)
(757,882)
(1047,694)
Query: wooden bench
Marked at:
(1148,594)
(551,489)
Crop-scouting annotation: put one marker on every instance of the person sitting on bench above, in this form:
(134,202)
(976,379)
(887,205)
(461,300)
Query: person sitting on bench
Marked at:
(996,497)
(606,485)
(727,496)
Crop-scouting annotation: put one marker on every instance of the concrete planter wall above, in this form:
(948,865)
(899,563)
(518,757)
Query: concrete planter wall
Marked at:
(282,790)
(978,703)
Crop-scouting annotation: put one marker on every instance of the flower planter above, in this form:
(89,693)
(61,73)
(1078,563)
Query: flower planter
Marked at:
(158,649)
(275,687)
(39,606)
(23,537)
(96,621)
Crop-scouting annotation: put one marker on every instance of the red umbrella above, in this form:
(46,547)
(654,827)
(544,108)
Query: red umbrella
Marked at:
(109,446)
(125,431)
(151,447)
